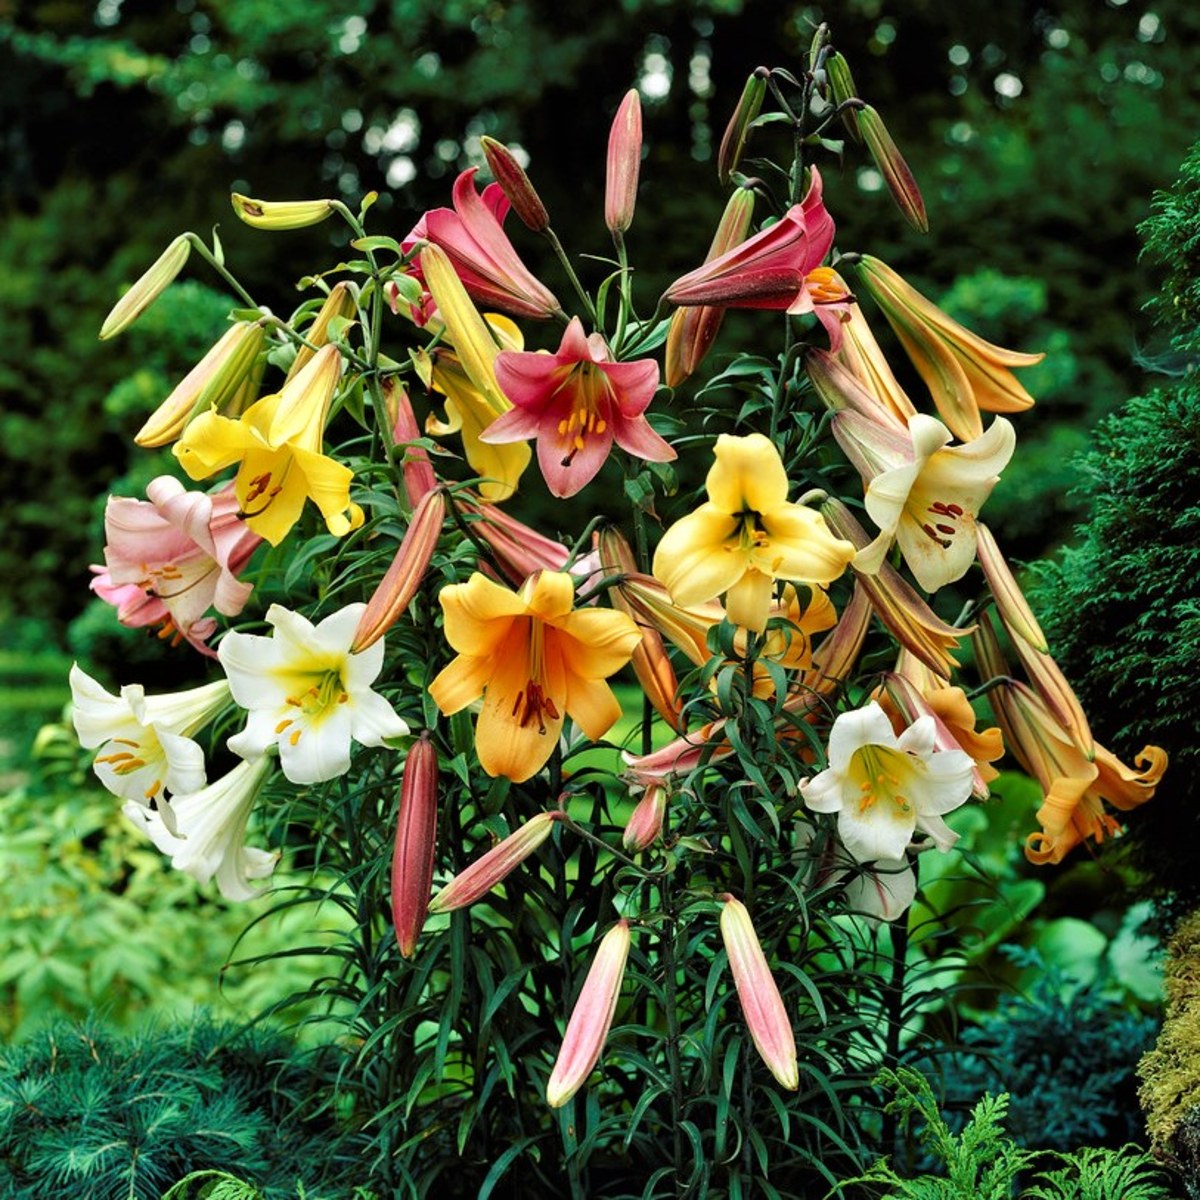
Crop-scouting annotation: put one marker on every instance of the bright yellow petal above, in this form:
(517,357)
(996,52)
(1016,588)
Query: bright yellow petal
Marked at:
(549,595)
(595,642)
(699,557)
(326,481)
(748,602)
(460,683)
(592,706)
(800,546)
(479,615)
(748,475)
(211,443)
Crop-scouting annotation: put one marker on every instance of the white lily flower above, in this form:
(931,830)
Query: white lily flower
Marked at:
(307,693)
(210,840)
(145,742)
(884,788)
(880,891)
(923,492)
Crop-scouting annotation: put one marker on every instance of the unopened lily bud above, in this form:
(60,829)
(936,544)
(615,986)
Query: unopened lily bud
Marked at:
(397,588)
(591,1017)
(733,144)
(280,214)
(515,184)
(835,657)
(841,85)
(518,550)
(416,841)
(491,868)
(624,163)
(694,329)
(417,470)
(211,384)
(762,1005)
(339,303)
(896,174)
(645,823)
(148,288)
(1011,604)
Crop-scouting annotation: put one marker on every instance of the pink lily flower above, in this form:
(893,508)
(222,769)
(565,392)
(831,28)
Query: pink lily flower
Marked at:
(770,269)
(479,249)
(576,402)
(182,550)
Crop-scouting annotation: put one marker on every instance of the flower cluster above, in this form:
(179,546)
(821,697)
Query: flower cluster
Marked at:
(743,623)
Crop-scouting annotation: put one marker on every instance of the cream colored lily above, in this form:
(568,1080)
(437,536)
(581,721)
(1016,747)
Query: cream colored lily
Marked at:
(535,660)
(746,536)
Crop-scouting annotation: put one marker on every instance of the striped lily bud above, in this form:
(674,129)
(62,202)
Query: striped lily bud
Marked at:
(518,549)
(646,822)
(591,1017)
(762,1005)
(280,214)
(341,302)
(515,184)
(211,384)
(148,288)
(416,840)
(895,171)
(737,132)
(624,163)
(491,868)
(841,84)
(834,658)
(417,470)
(397,588)
(1011,604)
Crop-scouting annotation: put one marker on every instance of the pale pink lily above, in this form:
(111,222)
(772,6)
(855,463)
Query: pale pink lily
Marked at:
(483,257)
(183,549)
(768,270)
(577,402)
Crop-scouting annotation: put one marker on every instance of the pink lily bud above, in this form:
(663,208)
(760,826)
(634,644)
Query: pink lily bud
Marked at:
(896,174)
(518,550)
(834,658)
(762,1005)
(419,477)
(399,585)
(591,1017)
(646,821)
(511,177)
(416,840)
(706,744)
(491,868)
(624,163)
(1011,604)
(737,132)
(694,329)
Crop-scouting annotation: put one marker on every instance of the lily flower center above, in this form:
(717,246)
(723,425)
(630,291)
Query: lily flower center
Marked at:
(883,775)
(533,702)
(313,703)
(260,485)
(942,522)
(825,287)
(587,385)
(127,755)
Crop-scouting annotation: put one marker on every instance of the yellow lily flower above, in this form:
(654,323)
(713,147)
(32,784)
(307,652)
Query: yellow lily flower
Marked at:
(277,440)
(535,660)
(746,536)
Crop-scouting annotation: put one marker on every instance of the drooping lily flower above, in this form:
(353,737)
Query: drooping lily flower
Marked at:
(861,356)
(467,378)
(922,492)
(826,296)
(145,742)
(278,441)
(211,832)
(183,548)
(535,660)
(884,788)
(880,891)
(576,402)
(769,269)
(746,536)
(483,257)
(963,372)
(308,693)
(591,1017)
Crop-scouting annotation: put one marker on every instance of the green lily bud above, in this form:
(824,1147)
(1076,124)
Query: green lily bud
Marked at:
(280,214)
(841,84)
(148,288)
(737,132)
(900,180)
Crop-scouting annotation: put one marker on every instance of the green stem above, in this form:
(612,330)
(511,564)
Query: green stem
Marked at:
(210,258)
(895,1014)
(561,254)
(671,1002)
(623,309)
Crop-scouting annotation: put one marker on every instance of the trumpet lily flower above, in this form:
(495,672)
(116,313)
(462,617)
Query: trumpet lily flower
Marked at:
(884,788)
(746,536)
(145,742)
(308,693)
(769,269)
(277,441)
(479,249)
(536,661)
(211,832)
(182,548)
(576,402)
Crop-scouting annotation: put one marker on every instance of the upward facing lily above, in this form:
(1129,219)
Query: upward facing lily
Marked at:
(535,660)
(746,536)
(576,403)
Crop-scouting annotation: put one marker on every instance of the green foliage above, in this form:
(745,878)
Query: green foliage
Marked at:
(982,1162)
(1172,237)
(86,1111)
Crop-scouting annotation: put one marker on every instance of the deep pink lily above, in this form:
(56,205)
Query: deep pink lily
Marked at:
(183,550)
(768,270)
(577,402)
(479,249)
